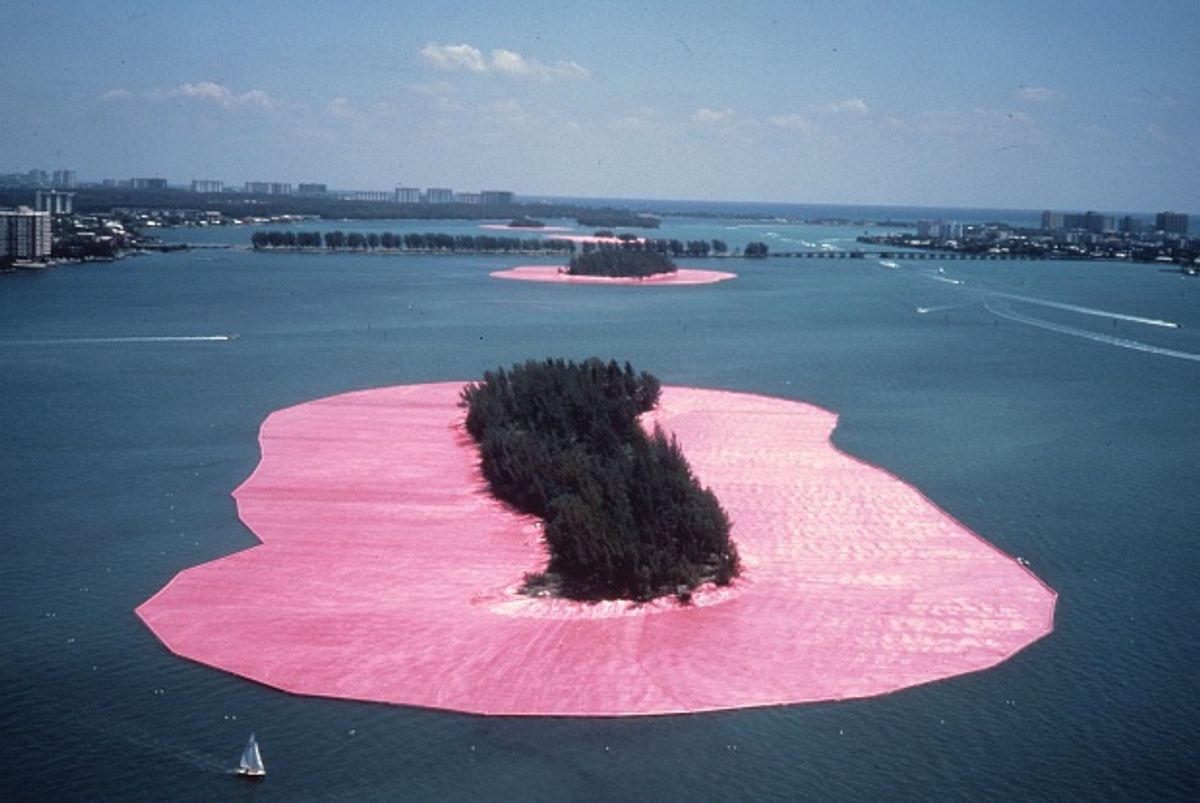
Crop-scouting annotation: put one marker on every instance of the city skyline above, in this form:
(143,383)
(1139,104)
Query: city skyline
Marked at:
(1069,106)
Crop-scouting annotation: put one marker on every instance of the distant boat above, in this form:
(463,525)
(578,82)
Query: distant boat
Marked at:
(251,765)
(889,264)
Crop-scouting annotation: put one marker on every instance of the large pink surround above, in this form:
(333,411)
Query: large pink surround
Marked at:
(387,572)
(553,273)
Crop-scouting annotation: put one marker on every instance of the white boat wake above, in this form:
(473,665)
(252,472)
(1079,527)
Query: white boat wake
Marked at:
(1099,313)
(938,278)
(944,307)
(1001,310)
(67,341)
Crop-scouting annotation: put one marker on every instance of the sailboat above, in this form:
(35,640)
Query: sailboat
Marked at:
(251,764)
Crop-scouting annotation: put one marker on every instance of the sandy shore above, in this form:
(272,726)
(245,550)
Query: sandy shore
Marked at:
(555,274)
(387,572)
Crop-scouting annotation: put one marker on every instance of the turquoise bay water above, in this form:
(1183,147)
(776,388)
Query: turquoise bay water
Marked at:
(1044,431)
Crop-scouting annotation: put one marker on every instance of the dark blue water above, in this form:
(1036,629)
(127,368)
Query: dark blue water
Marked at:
(1072,450)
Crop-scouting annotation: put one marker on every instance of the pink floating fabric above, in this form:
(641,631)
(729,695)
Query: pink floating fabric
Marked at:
(552,273)
(388,573)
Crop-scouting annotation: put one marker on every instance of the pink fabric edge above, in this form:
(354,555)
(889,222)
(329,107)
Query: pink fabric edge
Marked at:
(557,275)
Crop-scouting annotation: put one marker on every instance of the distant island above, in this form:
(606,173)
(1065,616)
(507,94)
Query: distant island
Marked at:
(625,518)
(290,240)
(620,262)
(526,222)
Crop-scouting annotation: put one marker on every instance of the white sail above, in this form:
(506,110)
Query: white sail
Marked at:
(252,763)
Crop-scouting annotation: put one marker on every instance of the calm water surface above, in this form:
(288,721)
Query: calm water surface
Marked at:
(1039,427)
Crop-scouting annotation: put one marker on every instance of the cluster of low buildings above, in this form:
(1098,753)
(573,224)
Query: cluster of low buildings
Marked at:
(38,179)
(31,237)
(1067,235)
(400,195)
(1165,223)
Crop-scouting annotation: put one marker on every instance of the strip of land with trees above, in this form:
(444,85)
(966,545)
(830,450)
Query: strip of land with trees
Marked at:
(434,242)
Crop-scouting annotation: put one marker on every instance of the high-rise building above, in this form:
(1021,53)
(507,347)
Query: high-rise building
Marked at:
(408,195)
(311,189)
(1099,223)
(439,195)
(939,229)
(24,234)
(207,185)
(496,197)
(1171,223)
(1130,225)
(54,202)
(148,183)
(269,187)
(64,180)
(1087,221)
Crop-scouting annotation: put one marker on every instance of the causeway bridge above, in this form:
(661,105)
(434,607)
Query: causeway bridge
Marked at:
(903,255)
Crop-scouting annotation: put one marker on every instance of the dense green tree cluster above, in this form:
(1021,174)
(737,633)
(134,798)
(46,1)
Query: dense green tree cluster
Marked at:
(673,247)
(755,250)
(609,218)
(448,243)
(625,518)
(615,261)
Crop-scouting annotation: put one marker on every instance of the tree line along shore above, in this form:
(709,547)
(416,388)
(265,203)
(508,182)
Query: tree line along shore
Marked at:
(290,240)
(235,206)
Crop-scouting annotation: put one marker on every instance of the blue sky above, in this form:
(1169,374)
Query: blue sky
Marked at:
(1015,104)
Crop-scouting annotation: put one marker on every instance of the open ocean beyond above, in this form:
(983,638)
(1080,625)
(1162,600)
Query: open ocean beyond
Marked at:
(1037,402)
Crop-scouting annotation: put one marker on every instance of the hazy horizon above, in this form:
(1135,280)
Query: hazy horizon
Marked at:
(1014,106)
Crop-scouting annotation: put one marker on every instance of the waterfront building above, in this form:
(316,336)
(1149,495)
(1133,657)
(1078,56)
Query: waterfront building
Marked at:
(1130,225)
(439,195)
(311,189)
(207,185)
(1171,223)
(54,202)
(493,197)
(408,195)
(148,183)
(24,234)
(366,195)
(1099,223)
(1052,221)
(1087,221)
(939,230)
(473,198)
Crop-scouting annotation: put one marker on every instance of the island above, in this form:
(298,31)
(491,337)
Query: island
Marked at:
(620,262)
(625,517)
(387,571)
(526,222)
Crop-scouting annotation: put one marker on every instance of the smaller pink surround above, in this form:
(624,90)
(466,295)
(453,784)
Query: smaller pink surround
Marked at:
(557,274)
